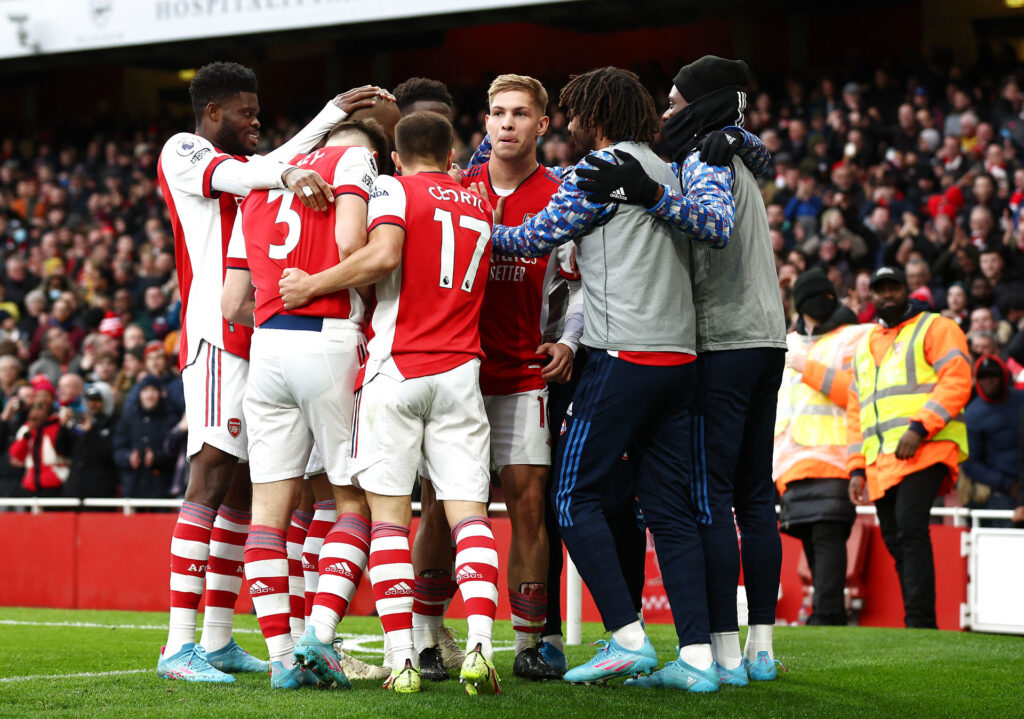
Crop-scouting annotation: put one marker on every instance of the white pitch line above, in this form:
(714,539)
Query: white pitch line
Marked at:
(73,676)
(353,642)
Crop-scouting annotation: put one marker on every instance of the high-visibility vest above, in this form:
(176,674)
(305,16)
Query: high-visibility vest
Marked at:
(808,425)
(893,392)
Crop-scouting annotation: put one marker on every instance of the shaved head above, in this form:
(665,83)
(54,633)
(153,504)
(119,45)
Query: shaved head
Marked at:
(384,113)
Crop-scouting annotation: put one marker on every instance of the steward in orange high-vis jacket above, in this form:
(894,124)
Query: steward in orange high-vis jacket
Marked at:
(906,431)
(809,461)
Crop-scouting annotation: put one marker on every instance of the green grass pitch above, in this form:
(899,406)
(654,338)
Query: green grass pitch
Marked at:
(47,657)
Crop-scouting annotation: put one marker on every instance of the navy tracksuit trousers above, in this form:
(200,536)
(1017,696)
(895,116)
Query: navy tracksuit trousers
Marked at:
(645,411)
(733,438)
(619,507)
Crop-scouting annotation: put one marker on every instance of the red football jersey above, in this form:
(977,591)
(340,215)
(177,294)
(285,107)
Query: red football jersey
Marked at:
(515,308)
(279,232)
(427,317)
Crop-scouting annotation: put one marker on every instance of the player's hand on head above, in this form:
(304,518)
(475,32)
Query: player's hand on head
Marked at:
(309,187)
(607,182)
(559,369)
(295,288)
(455,172)
(718,147)
(359,97)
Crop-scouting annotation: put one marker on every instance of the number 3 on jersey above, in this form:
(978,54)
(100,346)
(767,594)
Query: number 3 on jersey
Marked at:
(474,224)
(289,217)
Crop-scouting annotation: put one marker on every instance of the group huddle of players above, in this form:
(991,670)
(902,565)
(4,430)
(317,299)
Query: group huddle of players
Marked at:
(389,347)
(472,309)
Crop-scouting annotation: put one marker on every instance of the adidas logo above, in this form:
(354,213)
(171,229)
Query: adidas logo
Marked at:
(467,573)
(619,194)
(259,587)
(341,568)
(399,590)
(307,565)
(729,138)
(568,410)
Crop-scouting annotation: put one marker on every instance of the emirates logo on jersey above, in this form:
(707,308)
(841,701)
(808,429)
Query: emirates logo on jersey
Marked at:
(234,426)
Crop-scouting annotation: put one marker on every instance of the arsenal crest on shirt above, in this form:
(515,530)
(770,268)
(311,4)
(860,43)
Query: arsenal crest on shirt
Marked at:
(234,426)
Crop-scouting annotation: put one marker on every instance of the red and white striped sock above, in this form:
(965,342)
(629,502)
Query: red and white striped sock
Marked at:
(266,570)
(224,576)
(324,517)
(342,561)
(190,552)
(529,614)
(476,572)
(392,577)
(430,597)
(296,536)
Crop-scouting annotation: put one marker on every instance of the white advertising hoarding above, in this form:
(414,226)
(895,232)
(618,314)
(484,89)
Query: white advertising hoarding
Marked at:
(30,27)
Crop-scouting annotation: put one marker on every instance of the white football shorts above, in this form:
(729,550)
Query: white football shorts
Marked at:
(519,428)
(300,391)
(440,418)
(214,385)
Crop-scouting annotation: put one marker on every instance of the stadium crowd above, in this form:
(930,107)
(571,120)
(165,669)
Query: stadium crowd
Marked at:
(923,170)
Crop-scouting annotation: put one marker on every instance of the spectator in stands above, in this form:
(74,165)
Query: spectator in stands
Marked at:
(134,336)
(146,467)
(88,439)
(57,358)
(34,448)
(10,376)
(70,389)
(993,421)
(18,281)
(982,343)
(155,364)
(956,305)
(993,269)
(152,318)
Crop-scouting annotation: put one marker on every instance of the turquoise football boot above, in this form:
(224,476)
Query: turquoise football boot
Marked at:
(762,669)
(679,675)
(232,659)
(322,659)
(732,677)
(189,664)
(612,661)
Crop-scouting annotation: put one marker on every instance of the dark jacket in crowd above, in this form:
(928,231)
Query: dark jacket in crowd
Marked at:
(93,472)
(141,430)
(994,434)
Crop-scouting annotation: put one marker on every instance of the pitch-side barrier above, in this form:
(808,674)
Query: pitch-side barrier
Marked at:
(995,581)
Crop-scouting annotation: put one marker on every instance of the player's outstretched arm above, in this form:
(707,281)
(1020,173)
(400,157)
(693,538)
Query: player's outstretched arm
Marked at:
(334,112)
(569,214)
(705,210)
(381,255)
(483,154)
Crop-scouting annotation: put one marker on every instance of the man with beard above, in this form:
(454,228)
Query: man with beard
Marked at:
(741,342)
(906,431)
